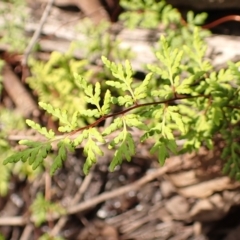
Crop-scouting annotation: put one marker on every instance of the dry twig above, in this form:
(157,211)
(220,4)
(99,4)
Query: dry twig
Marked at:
(78,196)
(37,32)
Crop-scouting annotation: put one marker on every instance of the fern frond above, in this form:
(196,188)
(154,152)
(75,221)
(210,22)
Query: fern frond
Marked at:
(106,107)
(134,120)
(117,124)
(91,150)
(124,76)
(42,130)
(126,101)
(35,154)
(170,60)
(63,146)
(63,117)
(81,136)
(163,146)
(141,91)
(125,150)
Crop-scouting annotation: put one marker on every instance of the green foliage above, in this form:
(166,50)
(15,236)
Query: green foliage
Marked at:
(42,207)
(148,13)
(54,83)
(182,97)
(47,236)
(12,30)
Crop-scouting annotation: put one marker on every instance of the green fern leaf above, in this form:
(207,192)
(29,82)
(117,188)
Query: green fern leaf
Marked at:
(91,149)
(116,140)
(74,120)
(125,151)
(124,79)
(63,117)
(78,140)
(93,98)
(29,143)
(166,131)
(56,112)
(140,92)
(91,113)
(35,155)
(117,85)
(129,72)
(42,130)
(133,120)
(61,157)
(106,108)
(173,114)
(162,152)
(162,147)
(94,133)
(126,101)
(166,92)
(117,124)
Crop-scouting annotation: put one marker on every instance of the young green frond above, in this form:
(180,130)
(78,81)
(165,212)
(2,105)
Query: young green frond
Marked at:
(81,136)
(172,114)
(170,60)
(118,70)
(123,75)
(42,130)
(35,154)
(125,149)
(141,91)
(94,133)
(91,150)
(126,101)
(196,53)
(163,146)
(117,124)
(91,113)
(69,122)
(165,92)
(60,158)
(91,96)
(106,107)
(134,120)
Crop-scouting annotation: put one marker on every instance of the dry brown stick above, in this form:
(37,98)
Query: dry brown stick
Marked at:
(78,196)
(37,32)
(13,221)
(27,232)
(87,180)
(19,95)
